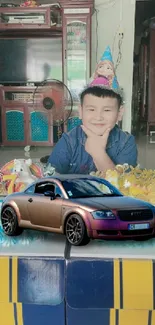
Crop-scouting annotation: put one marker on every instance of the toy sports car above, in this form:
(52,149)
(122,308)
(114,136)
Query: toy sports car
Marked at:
(81,207)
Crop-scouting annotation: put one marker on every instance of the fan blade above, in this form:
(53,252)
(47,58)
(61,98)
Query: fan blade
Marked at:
(53,98)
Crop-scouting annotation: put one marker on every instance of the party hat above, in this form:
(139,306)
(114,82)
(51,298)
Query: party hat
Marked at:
(107,55)
(102,80)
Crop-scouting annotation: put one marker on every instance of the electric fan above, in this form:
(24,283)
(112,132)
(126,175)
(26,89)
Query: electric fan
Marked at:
(52,104)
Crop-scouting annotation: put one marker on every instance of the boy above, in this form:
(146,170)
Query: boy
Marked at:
(98,144)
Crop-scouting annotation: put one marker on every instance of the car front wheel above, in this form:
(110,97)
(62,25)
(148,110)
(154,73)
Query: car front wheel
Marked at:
(9,222)
(75,230)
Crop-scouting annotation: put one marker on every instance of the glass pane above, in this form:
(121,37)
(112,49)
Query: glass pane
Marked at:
(44,59)
(15,118)
(76,57)
(39,127)
(23,18)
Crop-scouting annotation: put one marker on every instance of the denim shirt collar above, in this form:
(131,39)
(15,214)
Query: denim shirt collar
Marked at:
(113,137)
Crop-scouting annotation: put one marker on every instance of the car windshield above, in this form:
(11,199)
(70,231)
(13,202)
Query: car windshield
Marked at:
(84,187)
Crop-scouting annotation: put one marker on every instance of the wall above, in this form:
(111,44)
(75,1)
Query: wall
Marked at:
(114,17)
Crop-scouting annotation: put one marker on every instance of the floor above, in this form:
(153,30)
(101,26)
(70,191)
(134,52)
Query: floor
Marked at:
(146,153)
(9,153)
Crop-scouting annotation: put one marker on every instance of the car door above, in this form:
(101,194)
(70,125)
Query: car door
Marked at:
(44,211)
(21,201)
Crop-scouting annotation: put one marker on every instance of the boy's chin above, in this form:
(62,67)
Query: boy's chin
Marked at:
(98,131)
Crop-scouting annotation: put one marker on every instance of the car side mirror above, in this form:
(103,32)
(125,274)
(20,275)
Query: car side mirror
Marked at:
(49,194)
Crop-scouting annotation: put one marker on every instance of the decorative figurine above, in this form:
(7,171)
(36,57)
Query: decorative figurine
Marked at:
(17,174)
(105,73)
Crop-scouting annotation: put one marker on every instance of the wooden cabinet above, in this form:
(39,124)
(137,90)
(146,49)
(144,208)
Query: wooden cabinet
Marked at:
(147,81)
(71,24)
(22,123)
(151,81)
(30,18)
(76,50)
(76,53)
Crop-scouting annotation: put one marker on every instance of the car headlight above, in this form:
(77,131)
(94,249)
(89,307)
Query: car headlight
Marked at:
(106,214)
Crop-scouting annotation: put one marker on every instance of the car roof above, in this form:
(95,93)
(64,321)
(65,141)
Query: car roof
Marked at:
(65,177)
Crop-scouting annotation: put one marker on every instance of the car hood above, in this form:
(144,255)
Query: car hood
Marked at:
(118,203)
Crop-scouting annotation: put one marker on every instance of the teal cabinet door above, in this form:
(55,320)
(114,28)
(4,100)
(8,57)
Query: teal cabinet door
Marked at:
(40,128)
(14,126)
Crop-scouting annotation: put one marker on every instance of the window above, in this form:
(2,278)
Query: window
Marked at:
(58,191)
(41,188)
(78,188)
(30,190)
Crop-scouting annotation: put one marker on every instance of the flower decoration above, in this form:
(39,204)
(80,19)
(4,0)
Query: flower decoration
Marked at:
(135,182)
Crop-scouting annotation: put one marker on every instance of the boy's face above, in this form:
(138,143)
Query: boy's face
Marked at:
(98,113)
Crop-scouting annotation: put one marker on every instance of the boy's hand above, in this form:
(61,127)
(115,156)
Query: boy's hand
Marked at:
(95,144)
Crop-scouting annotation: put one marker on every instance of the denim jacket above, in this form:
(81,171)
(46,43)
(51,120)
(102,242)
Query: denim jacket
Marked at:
(70,157)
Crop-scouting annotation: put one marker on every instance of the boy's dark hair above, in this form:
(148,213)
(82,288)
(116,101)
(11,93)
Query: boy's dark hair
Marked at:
(101,92)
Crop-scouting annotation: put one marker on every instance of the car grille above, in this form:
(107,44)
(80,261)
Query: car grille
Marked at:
(135,215)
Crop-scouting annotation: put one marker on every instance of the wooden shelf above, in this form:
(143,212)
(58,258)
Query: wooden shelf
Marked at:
(26,18)
(54,31)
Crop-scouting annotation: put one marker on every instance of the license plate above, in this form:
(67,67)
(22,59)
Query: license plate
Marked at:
(139,226)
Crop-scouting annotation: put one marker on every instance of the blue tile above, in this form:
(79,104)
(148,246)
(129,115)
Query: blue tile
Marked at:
(90,284)
(43,315)
(88,316)
(41,281)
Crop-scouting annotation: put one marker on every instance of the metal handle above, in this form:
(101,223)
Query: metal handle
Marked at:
(30,200)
